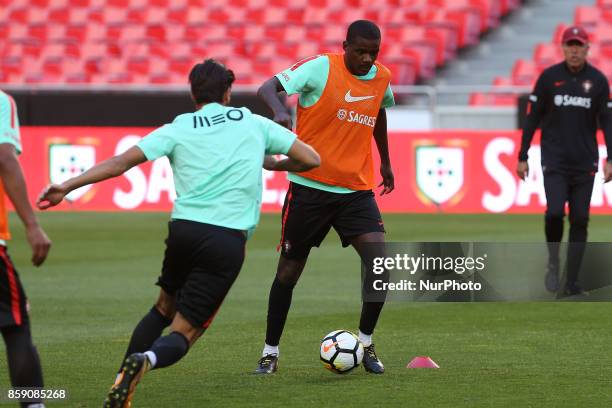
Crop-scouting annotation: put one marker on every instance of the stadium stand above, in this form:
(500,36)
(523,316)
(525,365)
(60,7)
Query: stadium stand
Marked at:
(596,19)
(157,41)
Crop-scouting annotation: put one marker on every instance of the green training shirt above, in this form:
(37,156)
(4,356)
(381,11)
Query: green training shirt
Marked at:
(216,155)
(9,122)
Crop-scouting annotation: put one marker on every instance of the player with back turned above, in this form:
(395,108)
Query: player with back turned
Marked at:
(568,101)
(216,154)
(342,101)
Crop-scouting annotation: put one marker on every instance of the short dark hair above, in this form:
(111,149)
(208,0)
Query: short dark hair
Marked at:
(363,29)
(209,81)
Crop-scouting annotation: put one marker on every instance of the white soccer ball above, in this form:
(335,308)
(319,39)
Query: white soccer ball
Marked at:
(341,351)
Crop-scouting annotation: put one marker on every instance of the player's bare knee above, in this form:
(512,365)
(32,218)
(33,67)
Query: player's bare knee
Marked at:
(184,327)
(166,305)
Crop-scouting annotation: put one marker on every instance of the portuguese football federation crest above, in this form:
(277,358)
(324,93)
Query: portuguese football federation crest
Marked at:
(68,160)
(439,172)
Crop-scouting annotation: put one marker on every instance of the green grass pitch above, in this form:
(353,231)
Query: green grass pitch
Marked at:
(99,281)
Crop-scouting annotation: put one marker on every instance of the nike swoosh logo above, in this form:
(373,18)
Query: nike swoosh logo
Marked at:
(350,98)
(327,348)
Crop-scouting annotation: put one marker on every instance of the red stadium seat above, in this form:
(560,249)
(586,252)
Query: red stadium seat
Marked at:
(423,57)
(465,6)
(509,5)
(117,15)
(156,15)
(136,16)
(37,15)
(138,64)
(295,34)
(604,3)
(35,3)
(587,16)
(78,3)
(302,4)
(558,33)
(502,81)
(181,65)
(96,51)
(205,32)
(547,54)
(74,72)
(464,22)
(38,32)
(119,3)
(418,35)
(333,34)
(17,32)
(223,15)
(297,51)
(195,16)
(130,33)
(274,32)
(62,15)
(343,16)
(177,15)
(156,32)
(294,16)
(267,15)
(493,10)
(403,70)
(19,15)
(61,50)
(79,15)
(12,65)
(262,49)
(314,15)
(524,72)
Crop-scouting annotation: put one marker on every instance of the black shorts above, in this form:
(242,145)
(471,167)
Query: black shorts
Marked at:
(201,263)
(309,213)
(574,189)
(13,302)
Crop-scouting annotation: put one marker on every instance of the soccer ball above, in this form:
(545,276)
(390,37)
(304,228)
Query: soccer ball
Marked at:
(341,351)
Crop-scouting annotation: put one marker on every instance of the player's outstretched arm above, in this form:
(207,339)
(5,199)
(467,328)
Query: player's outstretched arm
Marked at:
(301,157)
(15,186)
(269,93)
(53,194)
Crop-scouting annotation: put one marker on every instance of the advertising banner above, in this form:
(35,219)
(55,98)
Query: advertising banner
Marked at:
(435,171)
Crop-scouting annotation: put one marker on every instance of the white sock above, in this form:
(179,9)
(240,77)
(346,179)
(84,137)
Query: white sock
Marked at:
(366,339)
(152,357)
(37,405)
(268,349)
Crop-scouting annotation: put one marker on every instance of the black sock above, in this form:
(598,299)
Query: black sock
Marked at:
(146,332)
(370,311)
(22,356)
(170,349)
(278,308)
(554,234)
